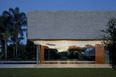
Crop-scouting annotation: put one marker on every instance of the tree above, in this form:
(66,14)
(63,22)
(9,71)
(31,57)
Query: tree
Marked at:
(2,29)
(4,32)
(110,36)
(6,36)
(30,49)
(17,20)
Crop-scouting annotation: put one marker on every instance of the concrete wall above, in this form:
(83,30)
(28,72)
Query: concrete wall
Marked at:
(67,24)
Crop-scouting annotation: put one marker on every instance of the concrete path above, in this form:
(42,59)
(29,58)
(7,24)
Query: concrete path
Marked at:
(55,66)
(17,62)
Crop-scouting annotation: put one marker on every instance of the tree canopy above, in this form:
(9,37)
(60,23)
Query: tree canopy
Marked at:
(110,35)
(12,27)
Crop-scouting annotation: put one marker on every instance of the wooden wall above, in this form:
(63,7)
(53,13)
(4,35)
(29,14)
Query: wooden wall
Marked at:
(99,54)
(42,54)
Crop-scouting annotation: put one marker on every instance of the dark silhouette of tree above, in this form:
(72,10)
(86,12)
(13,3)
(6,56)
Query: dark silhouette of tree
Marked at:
(17,20)
(110,36)
(4,32)
(30,51)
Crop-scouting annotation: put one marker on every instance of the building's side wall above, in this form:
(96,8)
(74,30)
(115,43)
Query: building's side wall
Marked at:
(67,24)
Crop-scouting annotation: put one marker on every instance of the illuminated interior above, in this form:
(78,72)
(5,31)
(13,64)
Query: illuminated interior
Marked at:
(73,51)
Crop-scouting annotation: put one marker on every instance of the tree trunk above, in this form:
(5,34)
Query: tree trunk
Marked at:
(14,51)
(5,49)
(16,46)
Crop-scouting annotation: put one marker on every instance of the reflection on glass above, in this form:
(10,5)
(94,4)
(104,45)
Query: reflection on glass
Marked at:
(72,53)
(69,50)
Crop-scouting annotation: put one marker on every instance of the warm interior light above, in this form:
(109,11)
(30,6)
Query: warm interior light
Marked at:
(64,45)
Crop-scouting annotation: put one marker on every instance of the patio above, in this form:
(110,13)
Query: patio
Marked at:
(55,66)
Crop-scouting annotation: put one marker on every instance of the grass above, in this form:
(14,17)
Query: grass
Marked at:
(57,72)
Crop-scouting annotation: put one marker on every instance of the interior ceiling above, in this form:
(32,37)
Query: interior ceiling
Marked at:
(59,44)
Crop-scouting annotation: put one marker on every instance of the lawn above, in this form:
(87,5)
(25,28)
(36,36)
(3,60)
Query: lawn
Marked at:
(57,72)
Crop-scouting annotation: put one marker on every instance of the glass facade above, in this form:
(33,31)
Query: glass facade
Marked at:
(74,52)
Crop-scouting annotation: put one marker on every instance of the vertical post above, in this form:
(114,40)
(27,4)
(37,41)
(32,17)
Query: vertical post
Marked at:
(42,54)
(37,53)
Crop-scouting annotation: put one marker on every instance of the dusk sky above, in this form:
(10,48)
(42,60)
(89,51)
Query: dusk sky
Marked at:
(26,5)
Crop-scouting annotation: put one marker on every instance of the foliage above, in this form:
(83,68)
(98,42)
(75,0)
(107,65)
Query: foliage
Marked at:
(110,34)
(25,52)
(30,50)
(12,27)
(16,20)
(110,30)
(4,32)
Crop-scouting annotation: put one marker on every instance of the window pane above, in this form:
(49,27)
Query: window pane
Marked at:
(72,51)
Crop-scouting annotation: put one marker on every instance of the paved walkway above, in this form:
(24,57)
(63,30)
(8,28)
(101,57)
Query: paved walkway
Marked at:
(55,66)
(18,62)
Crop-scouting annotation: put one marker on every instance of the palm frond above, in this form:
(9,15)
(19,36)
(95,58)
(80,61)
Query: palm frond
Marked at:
(16,10)
(23,22)
(24,30)
(12,11)
(7,14)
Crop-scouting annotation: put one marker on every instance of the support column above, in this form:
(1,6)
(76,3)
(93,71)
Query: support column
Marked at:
(99,54)
(42,54)
(37,54)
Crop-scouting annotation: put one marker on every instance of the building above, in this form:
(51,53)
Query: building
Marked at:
(72,37)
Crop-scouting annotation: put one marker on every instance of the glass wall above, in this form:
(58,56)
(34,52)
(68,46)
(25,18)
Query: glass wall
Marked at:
(72,51)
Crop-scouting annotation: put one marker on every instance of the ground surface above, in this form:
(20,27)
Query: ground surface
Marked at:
(55,66)
(57,72)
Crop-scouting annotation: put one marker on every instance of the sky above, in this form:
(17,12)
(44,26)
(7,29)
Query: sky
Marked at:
(26,5)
